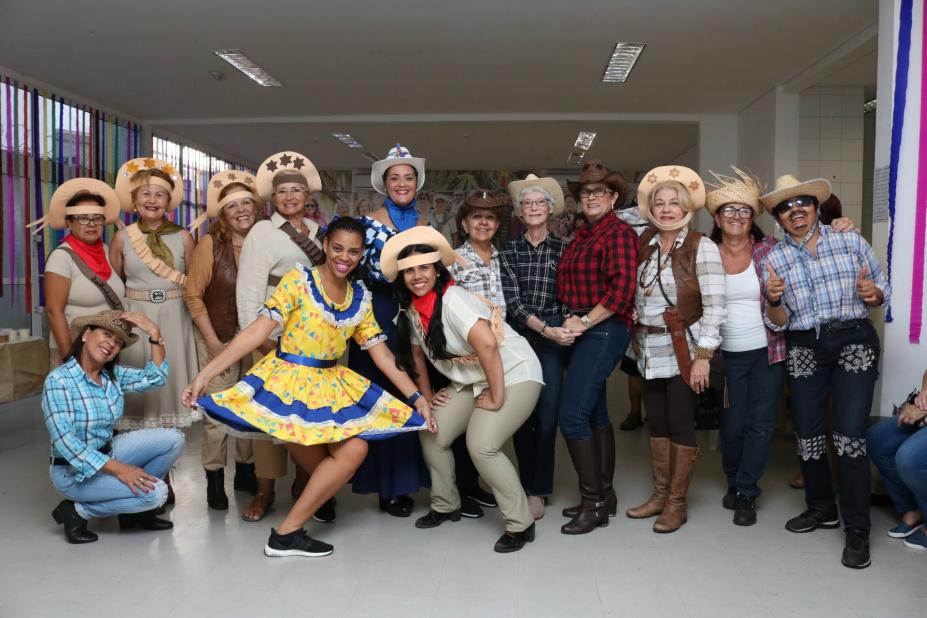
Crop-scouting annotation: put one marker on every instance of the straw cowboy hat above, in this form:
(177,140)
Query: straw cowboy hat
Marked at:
(109,320)
(125,184)
(397,155)
(218,182)
(744,189)
(58,211)
(788,187)
(390,263)
(286,166)
(594,171)
(688,178)
(550,184)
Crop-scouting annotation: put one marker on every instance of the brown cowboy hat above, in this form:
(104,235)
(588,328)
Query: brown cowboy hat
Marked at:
(109,320)
(481,199)
(594,171)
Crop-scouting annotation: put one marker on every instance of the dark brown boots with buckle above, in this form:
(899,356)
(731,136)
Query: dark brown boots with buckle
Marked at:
(603,440)
(593,508)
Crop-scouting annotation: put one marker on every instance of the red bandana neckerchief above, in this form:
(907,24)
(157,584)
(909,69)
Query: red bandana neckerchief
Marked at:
(94,255)
(425,305)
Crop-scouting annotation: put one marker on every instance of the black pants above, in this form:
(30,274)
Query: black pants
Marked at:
(671,408)
(840,363)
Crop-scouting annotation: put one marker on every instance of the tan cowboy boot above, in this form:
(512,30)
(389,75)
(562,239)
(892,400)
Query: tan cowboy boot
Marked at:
(660,467)
(674,512)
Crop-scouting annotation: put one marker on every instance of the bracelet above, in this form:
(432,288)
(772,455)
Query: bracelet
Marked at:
(703,353)
(413,398)
(543,328)
(774,304)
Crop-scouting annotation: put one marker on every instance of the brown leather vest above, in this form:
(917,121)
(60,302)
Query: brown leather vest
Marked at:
(688,295)
(219,296)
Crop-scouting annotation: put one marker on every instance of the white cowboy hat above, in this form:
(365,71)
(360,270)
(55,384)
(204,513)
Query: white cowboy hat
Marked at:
(398,155)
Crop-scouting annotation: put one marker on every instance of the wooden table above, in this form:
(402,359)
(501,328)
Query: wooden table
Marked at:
(23,368)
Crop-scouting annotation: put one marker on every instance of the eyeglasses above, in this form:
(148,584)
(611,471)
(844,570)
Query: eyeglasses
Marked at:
(598,192)
(90,219)
(530,203)
(744,212)
(289,192)
(802,201)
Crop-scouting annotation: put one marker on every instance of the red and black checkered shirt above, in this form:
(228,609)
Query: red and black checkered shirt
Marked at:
(599,268)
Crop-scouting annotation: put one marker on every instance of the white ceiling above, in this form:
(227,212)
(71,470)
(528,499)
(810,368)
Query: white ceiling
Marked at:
(485,66)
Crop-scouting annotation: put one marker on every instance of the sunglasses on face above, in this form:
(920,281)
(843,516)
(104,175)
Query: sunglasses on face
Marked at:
(802,201)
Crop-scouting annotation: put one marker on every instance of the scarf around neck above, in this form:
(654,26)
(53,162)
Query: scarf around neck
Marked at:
(158,247)
(425,305)
(403,217)
(94,255)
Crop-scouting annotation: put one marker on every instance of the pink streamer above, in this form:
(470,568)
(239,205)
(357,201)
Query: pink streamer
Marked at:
(920,211)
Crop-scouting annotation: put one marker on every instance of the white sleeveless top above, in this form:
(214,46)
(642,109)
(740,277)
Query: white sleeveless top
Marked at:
(743,330)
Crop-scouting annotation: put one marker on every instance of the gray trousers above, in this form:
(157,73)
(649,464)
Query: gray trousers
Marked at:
(486,431)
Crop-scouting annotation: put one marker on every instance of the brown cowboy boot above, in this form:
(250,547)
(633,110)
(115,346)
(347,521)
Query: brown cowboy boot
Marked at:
(660,468)
(592,511)
(674,513)
(603,440)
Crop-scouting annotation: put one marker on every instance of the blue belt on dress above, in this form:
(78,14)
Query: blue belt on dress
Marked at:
(306,361)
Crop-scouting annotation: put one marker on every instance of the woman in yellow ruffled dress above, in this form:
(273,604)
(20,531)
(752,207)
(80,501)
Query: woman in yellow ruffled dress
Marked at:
(299,395)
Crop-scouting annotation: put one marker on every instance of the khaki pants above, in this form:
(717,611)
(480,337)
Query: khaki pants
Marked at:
(215,441)
(486,431)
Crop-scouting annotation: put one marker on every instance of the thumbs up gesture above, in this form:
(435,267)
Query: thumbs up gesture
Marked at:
(866,288)
(775,285)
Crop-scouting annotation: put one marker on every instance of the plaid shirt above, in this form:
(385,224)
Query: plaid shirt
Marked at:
(80,414)
(821,286)
(478,277)
(599,268)
(775,339)
(529,278)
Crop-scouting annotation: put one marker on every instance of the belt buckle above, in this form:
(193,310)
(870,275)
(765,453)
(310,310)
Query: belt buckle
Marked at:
(157,296)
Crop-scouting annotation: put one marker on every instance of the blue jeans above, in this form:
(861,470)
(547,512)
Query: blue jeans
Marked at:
(534,441)
(103,495)
(900,454)
(753,387)
(593,357)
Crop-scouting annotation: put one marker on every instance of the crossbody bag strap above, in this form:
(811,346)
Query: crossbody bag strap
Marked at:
(112,299)
(304,242)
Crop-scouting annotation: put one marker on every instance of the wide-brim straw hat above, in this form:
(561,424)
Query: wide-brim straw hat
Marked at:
(109,320)
(594,171)
(397,155)
(550,184)
(418,235)
(743,189)
(789,186)
(125,185)
(58,210)
(685,176)
(289,163)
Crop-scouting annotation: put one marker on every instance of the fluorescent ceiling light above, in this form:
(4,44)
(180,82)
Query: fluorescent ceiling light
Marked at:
(622,61)
(869,106)
(347,140)
(584,140)
(246,65)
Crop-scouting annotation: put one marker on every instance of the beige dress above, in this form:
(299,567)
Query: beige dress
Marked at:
(160,407)
(84,298)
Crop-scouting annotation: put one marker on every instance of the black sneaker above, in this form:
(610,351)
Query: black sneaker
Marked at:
(435,519)
(856,550)
(326,512)
(729,501)
(469,508)
(811,520)
(483,498)
(745,511)
(296,543)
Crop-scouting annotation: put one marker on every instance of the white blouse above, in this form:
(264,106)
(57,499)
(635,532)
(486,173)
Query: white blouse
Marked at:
(743,329)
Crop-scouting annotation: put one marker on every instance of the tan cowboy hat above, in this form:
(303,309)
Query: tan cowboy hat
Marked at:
(58,211)
(397,155)
(109,320)
(688,178)
(218,182)
(594,171)
(125,185)
(419,235)
(744,189)
(290,165)
(788,187)
(550,184)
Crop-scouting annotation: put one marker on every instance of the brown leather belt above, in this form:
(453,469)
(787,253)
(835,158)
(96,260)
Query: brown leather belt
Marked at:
(651,330)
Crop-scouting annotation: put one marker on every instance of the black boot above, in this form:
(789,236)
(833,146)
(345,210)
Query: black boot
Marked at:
(593,511)
(245,480)
(603,440)
(145,521)
(215,490)
(75,526)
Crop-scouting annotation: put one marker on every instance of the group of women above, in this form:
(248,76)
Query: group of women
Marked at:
(430,350)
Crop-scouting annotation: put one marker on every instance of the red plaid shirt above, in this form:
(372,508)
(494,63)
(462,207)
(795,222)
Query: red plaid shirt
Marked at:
(599,268)
(776,340)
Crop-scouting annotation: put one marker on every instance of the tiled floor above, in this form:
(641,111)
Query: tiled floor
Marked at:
(212,563)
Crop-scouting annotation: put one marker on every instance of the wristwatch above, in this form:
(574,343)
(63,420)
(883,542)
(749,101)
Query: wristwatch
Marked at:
(586,321)
(159,341)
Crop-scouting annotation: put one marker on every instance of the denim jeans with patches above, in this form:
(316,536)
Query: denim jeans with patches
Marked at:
(837,364)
